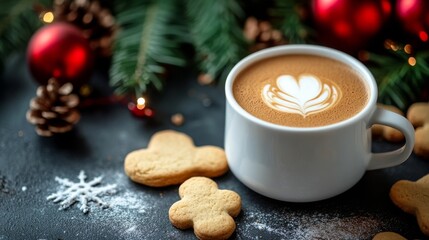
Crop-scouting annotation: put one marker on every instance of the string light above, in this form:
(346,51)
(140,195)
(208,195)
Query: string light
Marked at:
(85,90)
(141,103)
(140,109)
(412,61)
(389,44)
(47,17)
(408,49)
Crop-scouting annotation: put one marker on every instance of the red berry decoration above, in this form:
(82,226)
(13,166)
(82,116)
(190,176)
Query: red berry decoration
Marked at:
(414,16)
(60,50)
(348,25)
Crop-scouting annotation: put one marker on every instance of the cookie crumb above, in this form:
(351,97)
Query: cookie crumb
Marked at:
(205,79)
(178,119)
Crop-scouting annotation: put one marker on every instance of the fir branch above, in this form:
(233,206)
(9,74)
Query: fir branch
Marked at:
(286,16)
(151,35)
(400,83)
(217,35)
(18,22)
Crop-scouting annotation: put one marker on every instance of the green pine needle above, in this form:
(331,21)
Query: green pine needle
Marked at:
(18,22)
(151,35)
(217,35)
(286,17)
(399,83)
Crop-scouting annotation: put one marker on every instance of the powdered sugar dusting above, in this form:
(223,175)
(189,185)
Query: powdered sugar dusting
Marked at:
(129,211)
(131,201)
(132,213)
(286,224)
(137,212)
(351,227)
(82,191)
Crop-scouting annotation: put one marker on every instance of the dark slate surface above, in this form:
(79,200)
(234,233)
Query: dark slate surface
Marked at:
(105,134)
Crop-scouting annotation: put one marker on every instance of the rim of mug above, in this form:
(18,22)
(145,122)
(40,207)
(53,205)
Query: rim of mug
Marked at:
(306,49)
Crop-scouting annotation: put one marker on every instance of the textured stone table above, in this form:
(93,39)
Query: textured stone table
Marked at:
(105,134)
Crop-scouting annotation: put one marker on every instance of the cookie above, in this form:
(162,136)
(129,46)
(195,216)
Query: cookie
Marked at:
(418,115)
(421,147)
(413,198)
(388,236)
(205,208)
(388,133)
(171,158)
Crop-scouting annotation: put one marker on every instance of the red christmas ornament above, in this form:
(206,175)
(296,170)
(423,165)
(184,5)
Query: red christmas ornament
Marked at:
(60,50)
(414,15)
(348,25)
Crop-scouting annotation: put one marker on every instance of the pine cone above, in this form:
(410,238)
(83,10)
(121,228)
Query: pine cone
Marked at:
(261,34)
(97,23)
(53,110)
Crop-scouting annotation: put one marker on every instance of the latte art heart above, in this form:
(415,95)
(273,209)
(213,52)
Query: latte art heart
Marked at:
(304,96)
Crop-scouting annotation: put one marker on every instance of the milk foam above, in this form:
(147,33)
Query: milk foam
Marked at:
(305,96)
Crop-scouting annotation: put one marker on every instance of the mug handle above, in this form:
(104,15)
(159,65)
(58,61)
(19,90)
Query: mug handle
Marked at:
(398,156)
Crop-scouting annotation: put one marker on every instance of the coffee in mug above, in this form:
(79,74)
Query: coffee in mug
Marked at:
(298,123)
(300,90)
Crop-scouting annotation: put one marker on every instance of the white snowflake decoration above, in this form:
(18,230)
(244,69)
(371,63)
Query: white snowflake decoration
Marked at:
(83,192)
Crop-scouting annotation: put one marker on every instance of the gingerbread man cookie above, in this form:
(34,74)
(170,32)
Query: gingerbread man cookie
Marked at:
(171,158)
(413,198)
(418,115)
(388,236)
(386,132)
(207,209)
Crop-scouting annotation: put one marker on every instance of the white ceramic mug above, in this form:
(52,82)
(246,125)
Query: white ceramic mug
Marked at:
(307,164)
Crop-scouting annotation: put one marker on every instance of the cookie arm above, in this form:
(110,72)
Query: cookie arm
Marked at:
(422,216)
(179,215)
(210,161)
(219,227)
